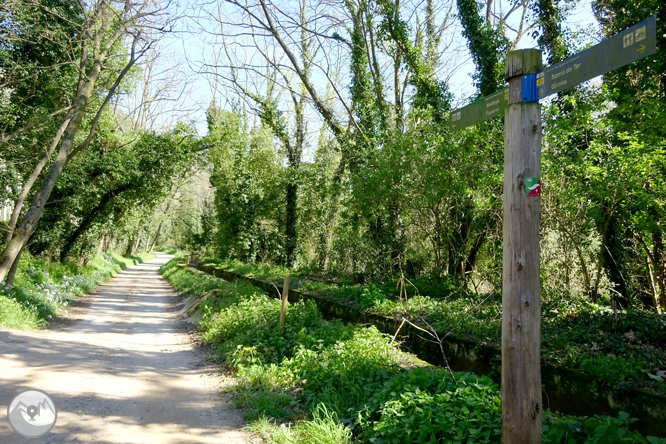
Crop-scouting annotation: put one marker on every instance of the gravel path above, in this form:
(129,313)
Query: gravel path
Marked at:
(126,373)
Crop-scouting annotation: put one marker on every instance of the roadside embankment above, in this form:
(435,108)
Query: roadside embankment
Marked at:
(565,390)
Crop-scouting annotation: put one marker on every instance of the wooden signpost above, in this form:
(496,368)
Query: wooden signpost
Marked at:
(522,408)
(285,301)
(521,294)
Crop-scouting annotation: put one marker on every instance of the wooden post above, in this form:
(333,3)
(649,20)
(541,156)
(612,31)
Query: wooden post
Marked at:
(521,296)
(285,302)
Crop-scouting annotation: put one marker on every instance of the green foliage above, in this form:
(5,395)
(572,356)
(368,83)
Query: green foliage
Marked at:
(112,187)
(486,43)
(605,184)
(593,430)
(36,63)
(551,38)
(371,298)
(431,95)
(248,189)
(187,281)
(618,349)
(325,382)
(426,405)
(43,287)
(323,428)
(224,329)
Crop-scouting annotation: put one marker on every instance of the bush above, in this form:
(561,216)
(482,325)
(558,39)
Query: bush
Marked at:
(426,405)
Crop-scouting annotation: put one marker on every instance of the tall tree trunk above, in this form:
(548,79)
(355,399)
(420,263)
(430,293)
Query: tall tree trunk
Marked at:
(130,245)
(90,219)
(471,258)
(139,240)
(133,241)
(397,233)
(659,267)
(100,22)
(326,239)
(18,206)
(613,254)
(292,223)
(156,238)
(159,228)
(32,216)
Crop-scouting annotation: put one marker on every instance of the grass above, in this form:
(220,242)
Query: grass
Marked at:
(42,287)
(321,381)
(618,348)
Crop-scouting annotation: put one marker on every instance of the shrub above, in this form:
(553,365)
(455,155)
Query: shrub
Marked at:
(426,405)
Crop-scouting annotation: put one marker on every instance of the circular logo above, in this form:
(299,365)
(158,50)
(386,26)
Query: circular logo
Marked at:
(32,413)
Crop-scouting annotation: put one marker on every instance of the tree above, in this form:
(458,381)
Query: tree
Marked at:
(105,26)
(100,188)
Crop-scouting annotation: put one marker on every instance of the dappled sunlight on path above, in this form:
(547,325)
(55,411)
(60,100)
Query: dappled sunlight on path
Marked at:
(125,374)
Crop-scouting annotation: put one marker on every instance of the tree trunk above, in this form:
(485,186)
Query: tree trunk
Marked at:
(32,179)
(327,237)
(292,224)
(139,237)
(159,229)
(157,237)
(594,290)
(90,219)
(471,258)
(84,90)
(12,271)
(613,254)
(397,233)
(130,245)
(659,267)
(27,227)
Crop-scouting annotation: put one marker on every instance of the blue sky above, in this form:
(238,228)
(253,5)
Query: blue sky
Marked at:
(185,51)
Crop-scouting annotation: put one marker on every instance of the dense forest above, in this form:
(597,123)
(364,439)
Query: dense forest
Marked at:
(323,150)
(388,189)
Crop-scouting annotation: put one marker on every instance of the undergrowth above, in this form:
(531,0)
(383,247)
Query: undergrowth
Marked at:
(42,287)
(619,349)
(320,381)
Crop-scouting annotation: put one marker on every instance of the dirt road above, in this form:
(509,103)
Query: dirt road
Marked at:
(126,373)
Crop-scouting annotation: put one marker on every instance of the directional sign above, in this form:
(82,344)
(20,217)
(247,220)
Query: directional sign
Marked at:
(623,48)
(480,110)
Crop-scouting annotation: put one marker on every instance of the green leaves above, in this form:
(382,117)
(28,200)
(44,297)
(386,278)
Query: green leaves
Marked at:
(426,405)
(592,430)
(249,186)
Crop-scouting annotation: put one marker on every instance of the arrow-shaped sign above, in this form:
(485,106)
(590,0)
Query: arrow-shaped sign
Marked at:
(608,55)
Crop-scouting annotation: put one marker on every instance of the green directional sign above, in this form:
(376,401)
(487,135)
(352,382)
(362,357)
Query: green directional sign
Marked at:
(623,48)
(480,110)
(630,45)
